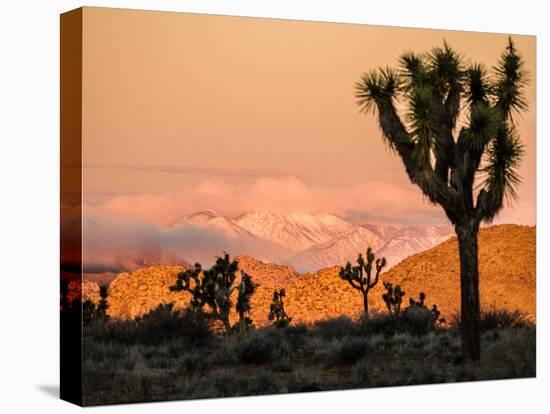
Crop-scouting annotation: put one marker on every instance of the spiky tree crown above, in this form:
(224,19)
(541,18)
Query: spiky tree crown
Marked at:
(214,286)
(439,89)
(360,277)
(393,298)
(246,289)
(277,311)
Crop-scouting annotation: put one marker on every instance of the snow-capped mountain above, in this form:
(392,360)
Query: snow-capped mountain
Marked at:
(211,220)
(338,250)
(206,234)
(295,231)
(307,242)
(406,241)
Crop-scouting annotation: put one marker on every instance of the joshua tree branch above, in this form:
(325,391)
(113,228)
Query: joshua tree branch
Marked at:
(445,144)
(422,175)
(355,286)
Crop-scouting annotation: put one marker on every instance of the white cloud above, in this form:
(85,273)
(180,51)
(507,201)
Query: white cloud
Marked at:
(380,200)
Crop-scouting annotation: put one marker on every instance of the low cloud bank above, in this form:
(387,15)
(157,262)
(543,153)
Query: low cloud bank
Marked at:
(113,244)
(383,201)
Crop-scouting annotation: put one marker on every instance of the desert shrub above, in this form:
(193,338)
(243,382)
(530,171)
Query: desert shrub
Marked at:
(89,312)
(223,384)
(377,323)
(161,325)
(108,355)
(282,364)
(256,349)
(342,351)
(351,349)
(315,348)
(417,320)
(493,318)
(413,320)
(158,360)
(295,336)
(360,372)
(502,318)
(104,352)
(164,323)
(192,363)
(509,354)
(124,332)
(263,383)
(306,379)
(335,328)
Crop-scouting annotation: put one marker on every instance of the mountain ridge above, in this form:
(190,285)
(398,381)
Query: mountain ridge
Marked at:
(507,257)
(310,242)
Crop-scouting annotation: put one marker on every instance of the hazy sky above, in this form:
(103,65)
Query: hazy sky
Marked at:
(184,112)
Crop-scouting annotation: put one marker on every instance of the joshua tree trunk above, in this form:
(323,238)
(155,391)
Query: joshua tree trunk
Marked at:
(469,287)
(227,325)
(360,277)
(242,322)
(366,305)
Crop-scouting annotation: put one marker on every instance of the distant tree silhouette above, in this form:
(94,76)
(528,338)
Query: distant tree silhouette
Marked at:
(103,305)
(435,314)
(438,89)
(65,303)
(245,291)
(91,311)
(88,311)
(393,297)
(360,277)
(277,312)
(213,287)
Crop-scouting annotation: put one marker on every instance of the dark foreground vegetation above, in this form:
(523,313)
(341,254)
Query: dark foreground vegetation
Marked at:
(168,355)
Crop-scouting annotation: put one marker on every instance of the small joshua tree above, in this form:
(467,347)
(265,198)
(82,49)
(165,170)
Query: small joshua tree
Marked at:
(360,276)
(246,289)
(434,312)
(277,312)
(420,302)
(91,311)
(393,298)
(102,305)
(213,287)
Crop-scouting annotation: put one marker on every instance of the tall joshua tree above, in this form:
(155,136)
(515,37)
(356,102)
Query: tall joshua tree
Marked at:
(458,142)
(360,277)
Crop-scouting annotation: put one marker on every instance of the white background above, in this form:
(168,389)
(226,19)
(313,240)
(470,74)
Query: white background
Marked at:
(29,193)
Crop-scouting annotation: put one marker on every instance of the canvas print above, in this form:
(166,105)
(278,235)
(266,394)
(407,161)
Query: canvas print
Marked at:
(261,206)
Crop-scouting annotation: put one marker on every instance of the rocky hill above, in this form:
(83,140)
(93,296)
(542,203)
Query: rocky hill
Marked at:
(507,255)
(267,275)
(507,267)
(134,294)
(507,270)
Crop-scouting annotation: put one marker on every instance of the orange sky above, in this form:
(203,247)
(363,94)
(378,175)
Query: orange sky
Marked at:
(183,112)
